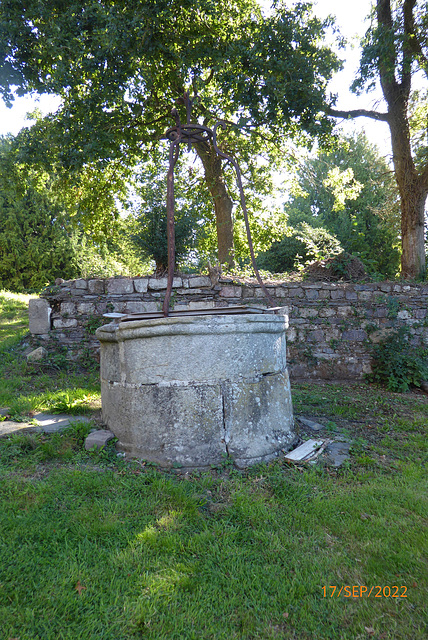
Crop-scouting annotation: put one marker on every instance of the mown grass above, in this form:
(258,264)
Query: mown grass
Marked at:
(95,547)
(55,385)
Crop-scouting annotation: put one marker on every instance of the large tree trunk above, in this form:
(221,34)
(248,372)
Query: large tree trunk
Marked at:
(413,189)
(395,74)
(412,234)
(223,204)
(395,80)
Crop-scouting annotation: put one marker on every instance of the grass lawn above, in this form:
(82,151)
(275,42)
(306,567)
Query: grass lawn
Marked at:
(93,547)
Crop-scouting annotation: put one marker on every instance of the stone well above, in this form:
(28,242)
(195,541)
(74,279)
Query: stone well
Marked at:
(189,391)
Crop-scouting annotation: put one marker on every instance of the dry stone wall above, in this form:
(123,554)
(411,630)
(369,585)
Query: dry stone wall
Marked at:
(330,325)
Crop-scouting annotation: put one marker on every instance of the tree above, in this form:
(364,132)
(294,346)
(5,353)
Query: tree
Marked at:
(119,67)
(351,192)
(35,245)
(298,246)
(150,228)
(394,49)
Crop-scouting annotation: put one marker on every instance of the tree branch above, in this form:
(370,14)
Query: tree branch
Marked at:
(413,43)
(356,113)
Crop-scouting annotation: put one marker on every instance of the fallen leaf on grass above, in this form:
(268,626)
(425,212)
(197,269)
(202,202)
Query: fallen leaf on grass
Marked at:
(79,587)
(369,631)
(414,585)
(285,615)
(365,516)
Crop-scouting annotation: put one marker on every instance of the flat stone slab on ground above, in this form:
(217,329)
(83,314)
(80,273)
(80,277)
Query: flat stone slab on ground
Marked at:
(57,421)
(8,428)
(98,439)
(337,452)
(45,422)
(307,422)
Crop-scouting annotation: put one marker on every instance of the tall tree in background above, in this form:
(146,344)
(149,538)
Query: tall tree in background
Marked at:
(35,243)
(351,192)
(394,49)
(119,67)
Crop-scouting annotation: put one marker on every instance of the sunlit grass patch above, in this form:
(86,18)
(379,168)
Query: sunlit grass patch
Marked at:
(13,318)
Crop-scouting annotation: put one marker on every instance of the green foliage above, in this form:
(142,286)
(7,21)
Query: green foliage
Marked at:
(395,56)
(149,228)
(303,244)
(35,243)
(112,255)
(152,237)
(119,67)
(350,191)
(398,363)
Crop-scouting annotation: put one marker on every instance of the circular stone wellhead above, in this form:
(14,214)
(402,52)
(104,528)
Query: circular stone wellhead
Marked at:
(189,391)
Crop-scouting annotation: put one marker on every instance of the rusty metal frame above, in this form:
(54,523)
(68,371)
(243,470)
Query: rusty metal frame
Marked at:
(194,133)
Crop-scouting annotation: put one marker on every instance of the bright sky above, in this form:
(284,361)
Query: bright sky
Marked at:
(350,20)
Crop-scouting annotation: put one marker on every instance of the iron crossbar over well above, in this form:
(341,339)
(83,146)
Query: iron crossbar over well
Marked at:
(193,133)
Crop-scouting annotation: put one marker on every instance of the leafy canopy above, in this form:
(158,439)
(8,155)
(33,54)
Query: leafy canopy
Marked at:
(120,66)
(350,191)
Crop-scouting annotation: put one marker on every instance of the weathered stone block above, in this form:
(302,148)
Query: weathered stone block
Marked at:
(324,294)
(344,311)
(96,286)
(308,312)
(365,295)
(120,285)
(64,323)
(201,304)
(327,312)
(86,307)
(98,439)
(228,291)
(156,284)
(81,284)
(403,315)
(296,292)
(68,308)
(312,294)
(420,313)
(141,284)
(39,313)
(357,335)
(281,292)
(199,281)
(337,294)
(36,355)
(351,295)
(316,336)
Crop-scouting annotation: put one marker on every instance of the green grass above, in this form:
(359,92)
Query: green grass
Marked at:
(55,385)
(95,547)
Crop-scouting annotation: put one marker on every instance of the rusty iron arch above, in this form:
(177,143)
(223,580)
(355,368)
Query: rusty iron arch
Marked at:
(193,133)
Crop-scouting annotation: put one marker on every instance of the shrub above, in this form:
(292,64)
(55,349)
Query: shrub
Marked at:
(397,363)
(305,243)
(151,237)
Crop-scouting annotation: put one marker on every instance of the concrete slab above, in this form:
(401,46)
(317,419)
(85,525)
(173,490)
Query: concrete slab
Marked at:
(50,423)
(42,422)
(315,426)
(8,428)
